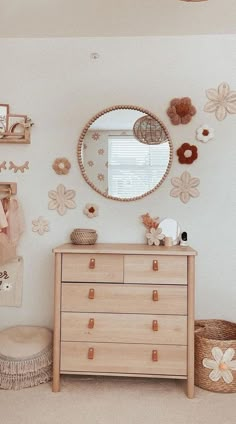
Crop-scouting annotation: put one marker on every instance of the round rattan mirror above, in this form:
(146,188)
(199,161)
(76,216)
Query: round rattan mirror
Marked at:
(124,152)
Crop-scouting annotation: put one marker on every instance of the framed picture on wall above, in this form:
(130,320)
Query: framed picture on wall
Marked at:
(4,112)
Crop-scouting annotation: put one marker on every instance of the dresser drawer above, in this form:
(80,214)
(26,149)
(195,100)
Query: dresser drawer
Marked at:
(123,358)
(124,328)
(123,298)
(92,267)
(154,269)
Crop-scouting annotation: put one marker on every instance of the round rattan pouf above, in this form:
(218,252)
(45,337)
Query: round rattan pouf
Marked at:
(25,357)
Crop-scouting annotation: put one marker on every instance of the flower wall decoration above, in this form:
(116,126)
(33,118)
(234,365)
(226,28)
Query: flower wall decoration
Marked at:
(204,133)
(91,210)
(61,166)
(181,111)
(221,365)
(40,225)
(187,154)
(221,101)
(61,199)
(185,187)
(154,236)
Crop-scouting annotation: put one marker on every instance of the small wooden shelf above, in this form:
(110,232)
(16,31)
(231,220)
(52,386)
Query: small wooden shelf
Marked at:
(9,138)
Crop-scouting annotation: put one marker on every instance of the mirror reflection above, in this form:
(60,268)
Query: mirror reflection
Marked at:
(124,154)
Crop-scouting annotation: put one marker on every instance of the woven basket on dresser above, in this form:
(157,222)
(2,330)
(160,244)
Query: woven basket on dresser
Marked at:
(215,355)
(83,236)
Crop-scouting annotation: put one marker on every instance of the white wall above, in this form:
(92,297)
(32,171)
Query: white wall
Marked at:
(56,83)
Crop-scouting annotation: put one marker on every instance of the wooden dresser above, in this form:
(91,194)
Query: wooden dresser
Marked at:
(125,310)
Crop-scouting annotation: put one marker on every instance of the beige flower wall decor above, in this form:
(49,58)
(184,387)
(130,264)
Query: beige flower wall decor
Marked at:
(61,199)
(185,187)
(40,225)
(91,210)
(221,101)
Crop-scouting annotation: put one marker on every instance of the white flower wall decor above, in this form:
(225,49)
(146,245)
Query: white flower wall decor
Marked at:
(40,225)
(221,101)
(221,365)
(204,133)
(91,210)
(185,187)
(61,199)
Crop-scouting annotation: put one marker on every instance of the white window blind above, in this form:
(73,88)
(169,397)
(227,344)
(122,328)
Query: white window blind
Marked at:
(133,167)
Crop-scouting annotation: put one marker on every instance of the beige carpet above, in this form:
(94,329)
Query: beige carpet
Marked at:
(111,400)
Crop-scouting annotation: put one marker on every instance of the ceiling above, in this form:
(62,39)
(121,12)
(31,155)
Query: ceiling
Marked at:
(115,18)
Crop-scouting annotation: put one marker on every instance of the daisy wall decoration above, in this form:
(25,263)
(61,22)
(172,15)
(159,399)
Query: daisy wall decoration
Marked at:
(187,154)
(40,225)
(185,187)
(221,101)
(91,210)
(61,199)
(204,133)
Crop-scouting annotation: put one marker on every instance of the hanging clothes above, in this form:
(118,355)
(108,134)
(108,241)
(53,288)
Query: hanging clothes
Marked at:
(15,220)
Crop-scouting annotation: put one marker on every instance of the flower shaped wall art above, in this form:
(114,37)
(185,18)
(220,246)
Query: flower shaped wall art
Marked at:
(221,101)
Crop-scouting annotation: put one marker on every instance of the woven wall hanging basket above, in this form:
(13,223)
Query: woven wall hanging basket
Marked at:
(83,236)
(215,355)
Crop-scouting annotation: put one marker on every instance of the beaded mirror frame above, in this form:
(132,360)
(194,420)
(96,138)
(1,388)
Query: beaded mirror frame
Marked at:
(80,151)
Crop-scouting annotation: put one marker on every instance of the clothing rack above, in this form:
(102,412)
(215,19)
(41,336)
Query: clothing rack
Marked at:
(6,187)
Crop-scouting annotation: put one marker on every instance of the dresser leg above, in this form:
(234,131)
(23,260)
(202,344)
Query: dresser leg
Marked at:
(56,382)
(190,388)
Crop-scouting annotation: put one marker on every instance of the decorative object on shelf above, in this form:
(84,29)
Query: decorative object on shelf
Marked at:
(3,166)
(168,241)
(40,225)
(11,280)
(4,112)
(148,130)
(91,210)
(154,236)
(187,154)
(61,166)
(61,199)
(149,222)
(204,133)
(171,229)
(215,355)
(83,236)
(185,187)
(181,111)
(184,239)
(14,128)
(17,168)
(221,101)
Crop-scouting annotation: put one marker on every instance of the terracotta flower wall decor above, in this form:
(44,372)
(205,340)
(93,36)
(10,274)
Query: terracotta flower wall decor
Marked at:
(91,210)
(61,166)
(187,154)
(221,101)
(185,187)
(204,133)
(181,111)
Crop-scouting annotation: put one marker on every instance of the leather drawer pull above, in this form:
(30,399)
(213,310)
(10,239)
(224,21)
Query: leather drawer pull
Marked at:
(154,355)
(155,325)
(155,295)
(91,353)
(91,323)
(155,265)
(92,263)
(91,294)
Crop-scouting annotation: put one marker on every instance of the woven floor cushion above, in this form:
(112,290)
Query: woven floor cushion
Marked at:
(25,357)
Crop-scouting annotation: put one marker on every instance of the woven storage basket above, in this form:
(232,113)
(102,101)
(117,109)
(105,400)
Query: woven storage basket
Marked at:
(83,236)
(215,355)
